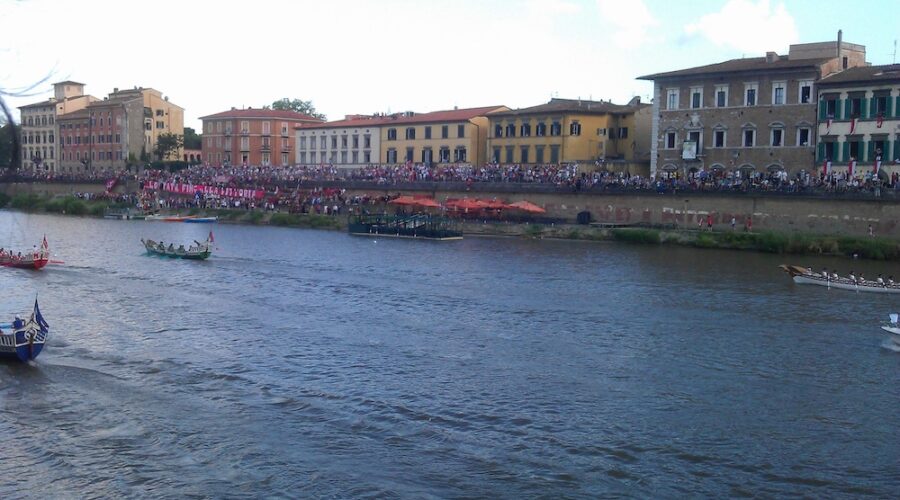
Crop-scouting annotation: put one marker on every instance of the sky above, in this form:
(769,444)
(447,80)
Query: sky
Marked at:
(362,57)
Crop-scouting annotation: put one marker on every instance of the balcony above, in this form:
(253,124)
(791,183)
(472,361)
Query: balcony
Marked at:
(265,148)
(227,131)
(245,131)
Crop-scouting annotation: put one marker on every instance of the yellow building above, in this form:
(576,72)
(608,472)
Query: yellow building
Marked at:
(160,115)
(452,136)
(573,131)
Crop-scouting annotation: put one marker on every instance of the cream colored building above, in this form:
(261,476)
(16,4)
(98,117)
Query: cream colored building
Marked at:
(40,132)
(352,142)
(160,115)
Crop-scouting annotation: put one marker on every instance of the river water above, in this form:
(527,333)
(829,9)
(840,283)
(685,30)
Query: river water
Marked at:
(299,363)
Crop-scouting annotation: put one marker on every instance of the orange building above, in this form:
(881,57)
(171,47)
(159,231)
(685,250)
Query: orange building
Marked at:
(257,137)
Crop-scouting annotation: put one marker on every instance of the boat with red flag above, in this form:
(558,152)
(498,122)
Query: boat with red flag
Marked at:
(34,259)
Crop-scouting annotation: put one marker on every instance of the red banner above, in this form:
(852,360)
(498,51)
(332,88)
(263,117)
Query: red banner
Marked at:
(191,189)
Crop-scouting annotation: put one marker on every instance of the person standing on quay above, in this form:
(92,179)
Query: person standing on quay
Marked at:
(709,222)
(733,222)
(749,224)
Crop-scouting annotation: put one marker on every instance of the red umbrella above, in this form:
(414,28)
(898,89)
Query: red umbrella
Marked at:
(426,202)
(493,204)
(403,200)
(527,206)
(465,204)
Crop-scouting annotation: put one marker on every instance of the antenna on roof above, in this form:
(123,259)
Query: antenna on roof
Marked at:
(894,58)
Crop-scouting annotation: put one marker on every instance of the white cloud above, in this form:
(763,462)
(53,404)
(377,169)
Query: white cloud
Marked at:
(750,27)
(630,21)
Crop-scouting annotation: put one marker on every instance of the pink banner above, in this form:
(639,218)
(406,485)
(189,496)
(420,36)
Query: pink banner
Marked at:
(190,189)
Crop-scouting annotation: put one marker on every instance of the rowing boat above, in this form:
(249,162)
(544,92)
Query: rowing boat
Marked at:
(804,276)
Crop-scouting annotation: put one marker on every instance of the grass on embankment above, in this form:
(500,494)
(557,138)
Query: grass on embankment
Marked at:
(767,241)
(70,205)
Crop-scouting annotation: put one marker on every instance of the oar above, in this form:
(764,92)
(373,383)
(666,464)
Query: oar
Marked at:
(55,262)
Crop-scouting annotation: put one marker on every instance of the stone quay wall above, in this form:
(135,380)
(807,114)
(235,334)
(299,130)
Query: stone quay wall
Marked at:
(835,215)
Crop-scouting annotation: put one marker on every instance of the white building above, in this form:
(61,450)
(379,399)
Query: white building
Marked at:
(349,143)
(40,131)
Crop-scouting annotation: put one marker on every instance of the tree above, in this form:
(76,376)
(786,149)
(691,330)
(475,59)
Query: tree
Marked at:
(166,144)
(8,134)
(191,139)
(298,105)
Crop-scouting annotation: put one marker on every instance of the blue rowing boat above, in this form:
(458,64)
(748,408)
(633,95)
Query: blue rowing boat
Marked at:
(24,340)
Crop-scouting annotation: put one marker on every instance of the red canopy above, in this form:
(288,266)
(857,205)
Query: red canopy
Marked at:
(527,206)
(411,201)
(403,200)
(465,204)
(493,204)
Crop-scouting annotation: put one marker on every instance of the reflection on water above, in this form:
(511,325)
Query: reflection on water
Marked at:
(305,363)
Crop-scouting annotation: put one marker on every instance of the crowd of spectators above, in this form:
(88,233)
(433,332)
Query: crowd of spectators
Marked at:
(563,176)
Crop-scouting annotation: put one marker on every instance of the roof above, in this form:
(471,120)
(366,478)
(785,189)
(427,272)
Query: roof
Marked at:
(888,73)
(740,66)
(450,115)
(262,114)
(68,81)
(75,115)
(48,102)
(557,105)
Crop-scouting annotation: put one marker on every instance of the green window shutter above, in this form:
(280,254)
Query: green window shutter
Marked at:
(886,154)
(897,107)
(872,107)
(862,108)
(820,155)
(870,151)
(845,154)
(846,109)
(822,108)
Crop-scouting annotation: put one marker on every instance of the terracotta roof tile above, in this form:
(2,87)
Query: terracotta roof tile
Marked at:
(864,74)
(739,65)
(557,105)
(262,113)
(451,115)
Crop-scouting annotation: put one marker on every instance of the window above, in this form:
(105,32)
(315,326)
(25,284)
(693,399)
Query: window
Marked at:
(410,134)
(323,142)
(355,143)
(623,133)
(829,151)
(160,124)
(777,137)
(855,107)
(750,94)
(312,157)
(445,132)
(778,93)
(671,99)
(524,153)
(460,154)
(721,96)
(803,134)
(749,138)
(159,112)
(367,156)
(554,153)
(428,132)
(855,149)
(805,91)
(694,136)
(460,133)
(367,141)
(696,97)
(392,134)
(245,143)
(303,143)
(444,154)
(831,104)
(284,128)
(266,159)
(555,128)
(266,128)
(219,127)
(355,157)
(245,127)
(498,130)
(575,128)
(343,142)
(525,129)
(539,154)
(718,138)
(409,154)
(670,140)
(302,158)
(511,130)
(879,105)
(509,154)
(540,130)
(391,155)
(343,157)
(495,157)
(265,142)
(334,142)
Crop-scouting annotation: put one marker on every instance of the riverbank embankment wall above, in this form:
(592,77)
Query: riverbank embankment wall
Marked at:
(784,213)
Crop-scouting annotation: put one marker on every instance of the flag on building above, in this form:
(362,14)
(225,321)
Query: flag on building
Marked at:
(877,165)
(852,125)
(879,120)
(851,167)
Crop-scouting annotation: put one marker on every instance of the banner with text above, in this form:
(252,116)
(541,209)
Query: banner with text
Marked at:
(191,189)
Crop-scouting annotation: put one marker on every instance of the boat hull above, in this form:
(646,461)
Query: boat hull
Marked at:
(202,220)
(202,254)
(25,263)
(27,340)
(845,284)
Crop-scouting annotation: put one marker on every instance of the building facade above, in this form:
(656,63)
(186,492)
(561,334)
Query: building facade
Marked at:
(572,131)
(451,136)
(39,130)
(352,142)
(859,120)
(160,116)
(744,115)
(263,137)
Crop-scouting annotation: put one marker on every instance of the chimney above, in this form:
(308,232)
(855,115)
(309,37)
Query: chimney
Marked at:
(840,42)
(771,57)
(115,90)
